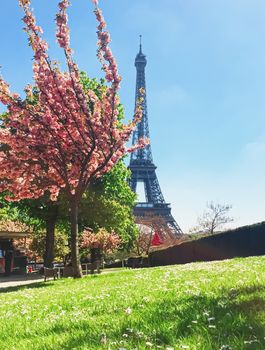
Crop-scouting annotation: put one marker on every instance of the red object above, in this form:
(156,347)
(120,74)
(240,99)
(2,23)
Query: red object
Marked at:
(2,265)
(156,240)
(30,270)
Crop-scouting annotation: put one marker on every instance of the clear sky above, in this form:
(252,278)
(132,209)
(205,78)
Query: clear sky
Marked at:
(205,89)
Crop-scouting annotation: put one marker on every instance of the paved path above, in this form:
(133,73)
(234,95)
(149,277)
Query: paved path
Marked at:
(14,281)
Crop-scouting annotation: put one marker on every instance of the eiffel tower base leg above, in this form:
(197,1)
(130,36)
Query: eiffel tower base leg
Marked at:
(161,212)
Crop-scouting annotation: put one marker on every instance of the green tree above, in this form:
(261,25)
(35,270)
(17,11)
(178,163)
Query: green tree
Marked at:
(40,214)
(108,204)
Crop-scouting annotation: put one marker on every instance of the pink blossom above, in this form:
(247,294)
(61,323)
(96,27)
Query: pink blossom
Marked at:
(106,241)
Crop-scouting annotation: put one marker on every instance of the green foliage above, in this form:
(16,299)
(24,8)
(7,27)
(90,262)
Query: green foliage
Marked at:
(61,248)
(200,306)
(114,186)
(108,204)
(3,116)
(92,84)
(18,212)
(98,86)
(34,212)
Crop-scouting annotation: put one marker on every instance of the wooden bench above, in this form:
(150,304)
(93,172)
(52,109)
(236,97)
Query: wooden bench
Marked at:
(91,267)
(50,273)
(67,271)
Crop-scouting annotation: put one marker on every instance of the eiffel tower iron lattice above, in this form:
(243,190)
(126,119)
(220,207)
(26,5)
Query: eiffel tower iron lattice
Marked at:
(142,166)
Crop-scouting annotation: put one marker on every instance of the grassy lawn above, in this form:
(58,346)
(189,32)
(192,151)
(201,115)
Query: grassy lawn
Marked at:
(218,305)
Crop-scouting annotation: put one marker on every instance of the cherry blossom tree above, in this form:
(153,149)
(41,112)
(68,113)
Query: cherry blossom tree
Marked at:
(62,136)
(106,241)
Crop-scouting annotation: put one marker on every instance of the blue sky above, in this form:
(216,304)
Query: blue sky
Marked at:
(205,89)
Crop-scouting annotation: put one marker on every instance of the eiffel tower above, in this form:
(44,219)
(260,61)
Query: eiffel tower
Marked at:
(142,166)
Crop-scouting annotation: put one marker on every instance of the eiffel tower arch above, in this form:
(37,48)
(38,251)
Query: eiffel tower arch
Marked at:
(142,166)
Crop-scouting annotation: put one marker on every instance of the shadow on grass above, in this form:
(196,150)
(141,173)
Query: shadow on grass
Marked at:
(256,305)
(212,321)
(234,292)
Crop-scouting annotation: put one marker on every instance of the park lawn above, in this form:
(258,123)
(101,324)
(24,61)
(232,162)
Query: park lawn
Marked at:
(216,305)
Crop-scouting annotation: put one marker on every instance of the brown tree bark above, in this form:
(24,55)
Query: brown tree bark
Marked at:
(50,234)
(49,244)
(75,257)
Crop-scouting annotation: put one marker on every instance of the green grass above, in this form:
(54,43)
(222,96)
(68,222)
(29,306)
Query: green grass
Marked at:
(202,306)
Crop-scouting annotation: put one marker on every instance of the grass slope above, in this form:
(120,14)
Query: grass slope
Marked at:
(216,305)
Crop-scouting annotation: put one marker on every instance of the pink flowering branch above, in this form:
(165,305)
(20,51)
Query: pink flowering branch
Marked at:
(62,136)
(106,241)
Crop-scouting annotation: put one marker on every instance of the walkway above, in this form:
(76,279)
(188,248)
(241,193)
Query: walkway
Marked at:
(14,281)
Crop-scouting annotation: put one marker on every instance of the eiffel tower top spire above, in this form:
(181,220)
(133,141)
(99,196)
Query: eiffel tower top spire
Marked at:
(140,44)
(142,129)
(140,60)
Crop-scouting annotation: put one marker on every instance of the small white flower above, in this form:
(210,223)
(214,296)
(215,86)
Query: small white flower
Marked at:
(225,347)
(104,339)
(250,341)
(128,311)
(148,343)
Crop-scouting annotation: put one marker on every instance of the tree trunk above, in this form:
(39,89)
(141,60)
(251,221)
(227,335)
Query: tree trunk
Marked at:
(51,219)
(49,244)
(138,246)
(75,258)
(150,242)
